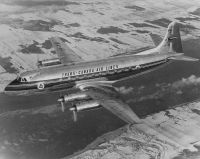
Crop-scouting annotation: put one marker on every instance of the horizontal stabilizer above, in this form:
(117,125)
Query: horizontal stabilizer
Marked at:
(182,57)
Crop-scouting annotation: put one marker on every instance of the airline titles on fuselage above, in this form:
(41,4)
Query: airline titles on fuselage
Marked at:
(90,70)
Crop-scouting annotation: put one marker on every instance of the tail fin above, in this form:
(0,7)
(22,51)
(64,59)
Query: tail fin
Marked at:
(172,45)
(172,40)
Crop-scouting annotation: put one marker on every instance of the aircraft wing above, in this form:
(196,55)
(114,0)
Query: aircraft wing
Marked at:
(65,54)
(109,98)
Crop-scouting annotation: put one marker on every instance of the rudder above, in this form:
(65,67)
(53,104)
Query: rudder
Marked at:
(176,42)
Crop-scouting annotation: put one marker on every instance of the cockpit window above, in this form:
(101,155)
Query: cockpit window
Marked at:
(22,79)
(19,79)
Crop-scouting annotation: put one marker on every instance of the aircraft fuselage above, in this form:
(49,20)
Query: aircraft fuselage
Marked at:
(66,76)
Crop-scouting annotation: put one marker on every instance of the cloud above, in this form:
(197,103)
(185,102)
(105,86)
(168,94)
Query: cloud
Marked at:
(155,95)
(171,90)
(191,80)
(125,90)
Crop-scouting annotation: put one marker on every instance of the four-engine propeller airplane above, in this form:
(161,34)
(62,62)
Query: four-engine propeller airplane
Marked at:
(94,79)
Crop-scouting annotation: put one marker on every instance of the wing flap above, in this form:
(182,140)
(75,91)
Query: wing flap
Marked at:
(122,110)
(65,54)
(109,99)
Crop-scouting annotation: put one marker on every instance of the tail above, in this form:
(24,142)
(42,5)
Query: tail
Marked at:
(172,40)
(172,45)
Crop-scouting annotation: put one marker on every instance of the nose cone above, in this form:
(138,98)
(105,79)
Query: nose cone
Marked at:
(18,87)
(7,87)
(11,85)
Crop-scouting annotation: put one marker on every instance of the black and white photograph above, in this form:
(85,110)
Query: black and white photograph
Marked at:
(99,79)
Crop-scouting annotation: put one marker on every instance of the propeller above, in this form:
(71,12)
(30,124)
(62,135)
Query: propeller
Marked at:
(61,100)
(75,116)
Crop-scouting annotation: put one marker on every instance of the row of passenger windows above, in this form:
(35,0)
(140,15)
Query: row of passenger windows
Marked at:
(83,72)
(111,68)
(91,70)
(71,74)
(78,73)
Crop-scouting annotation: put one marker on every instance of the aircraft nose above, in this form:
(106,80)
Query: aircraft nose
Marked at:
(9,87)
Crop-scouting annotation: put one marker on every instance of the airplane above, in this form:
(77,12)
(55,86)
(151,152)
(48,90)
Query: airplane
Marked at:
(95,79)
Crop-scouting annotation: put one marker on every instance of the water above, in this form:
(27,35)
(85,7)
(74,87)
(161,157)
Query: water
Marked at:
(53,134)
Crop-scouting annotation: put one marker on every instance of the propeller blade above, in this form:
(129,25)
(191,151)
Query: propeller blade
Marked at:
(75,117)
(61,100)
(62,106)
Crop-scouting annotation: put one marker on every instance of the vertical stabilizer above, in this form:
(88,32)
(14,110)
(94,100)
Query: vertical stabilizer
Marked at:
(172,40)
(172,45)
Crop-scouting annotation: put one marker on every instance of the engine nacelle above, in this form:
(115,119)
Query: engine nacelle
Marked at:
(49,62)
(85,106)
(76,96)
